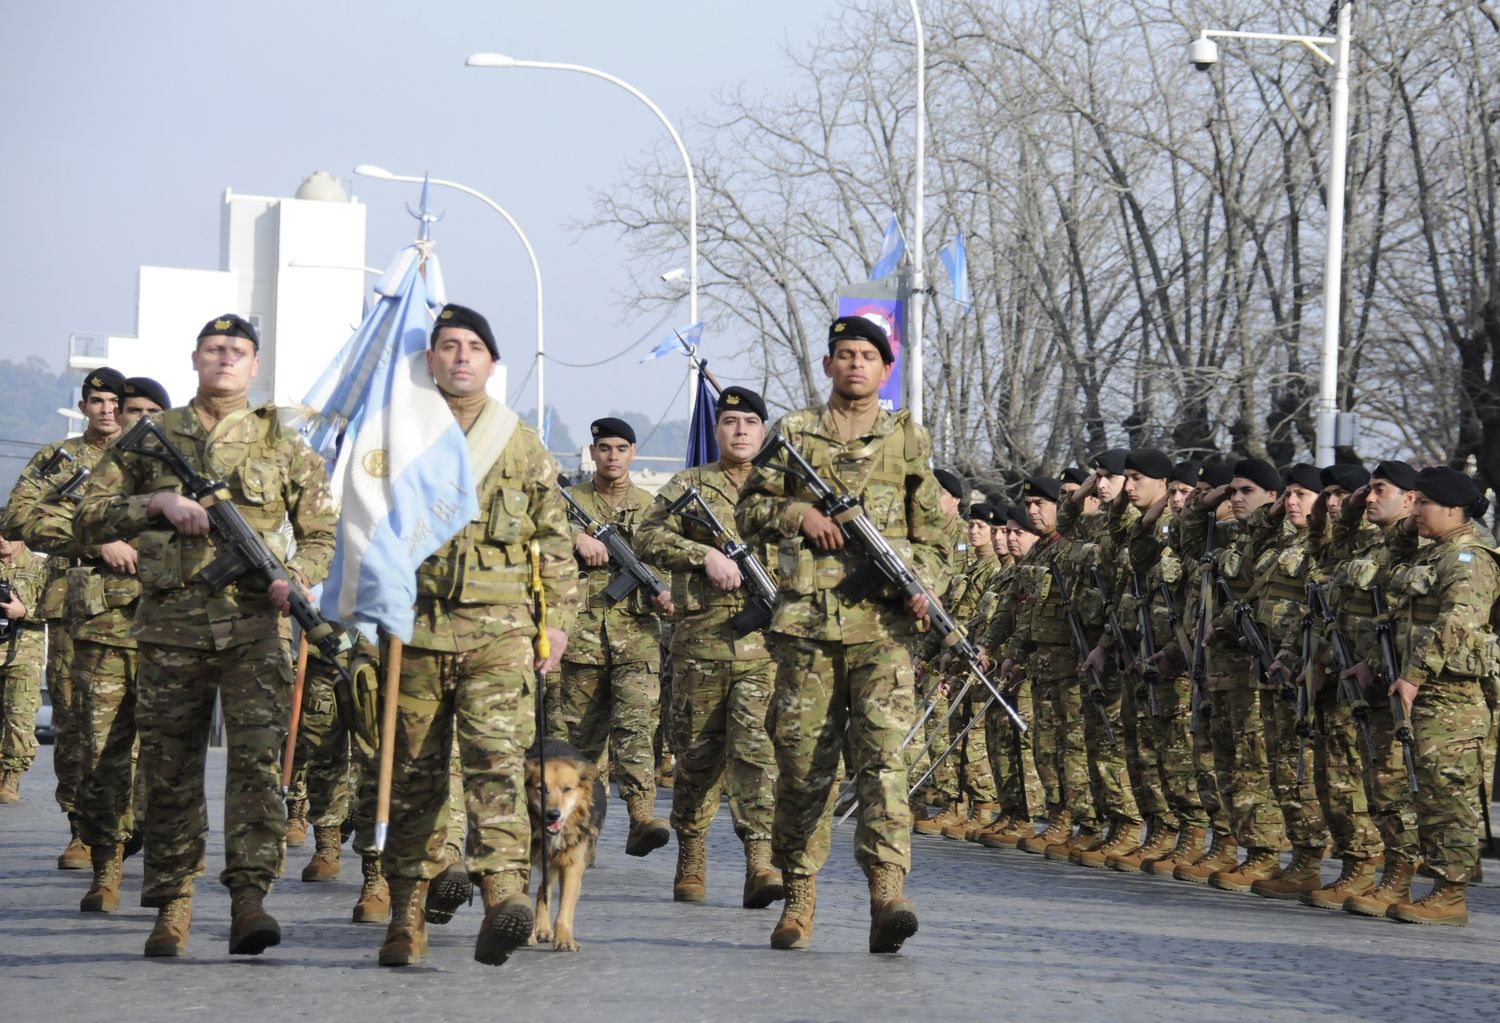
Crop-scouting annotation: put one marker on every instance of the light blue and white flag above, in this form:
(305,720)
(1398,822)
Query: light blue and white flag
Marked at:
(402,476)
(892,248)
(692,334)
(955,258)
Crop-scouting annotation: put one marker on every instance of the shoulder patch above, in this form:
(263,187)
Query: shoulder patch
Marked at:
(1464,557)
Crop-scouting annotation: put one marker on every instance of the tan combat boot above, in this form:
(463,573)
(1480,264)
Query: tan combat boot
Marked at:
(104,894)
(1394,887)
(1259,865)
(406,937)
(1443,905)
(762,881)
(508,917)
(647,832)
(981,815)
(296,823)
(1124,838)
(794,929)
(691,881)
(450,889)
(1159,843)
(893,918)
(1220,855)
(952,813)
(1357,878)
(10,787)
(251,929)
(169,937)
(1084,839)
(374,904)
(1057,830)
(324,865)
(1189,844)
(666,771)
(1299,877)
(1012,834)
(1000,825)
(76,855)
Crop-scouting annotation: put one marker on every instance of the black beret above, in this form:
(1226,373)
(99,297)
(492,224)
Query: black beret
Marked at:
(1305,476)
(1397,473)
(740,399)
(1041,486)
(862,329)
(611,427)
(999,514)
(1016,516)
(1344,474)
(1149,462)
(978,512)
(145,387)
(1257,471)
(454,315)
(1186,472)
(110,381)
(1111,461)
(1215,474)
(1072,474)
(230,325)
(1447,486)
(950,482)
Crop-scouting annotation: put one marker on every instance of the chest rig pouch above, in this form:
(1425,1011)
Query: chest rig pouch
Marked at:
(486,562)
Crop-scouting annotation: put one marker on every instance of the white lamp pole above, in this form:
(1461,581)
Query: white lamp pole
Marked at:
(919,255)
(1203,54)
(368,170)
(500,60)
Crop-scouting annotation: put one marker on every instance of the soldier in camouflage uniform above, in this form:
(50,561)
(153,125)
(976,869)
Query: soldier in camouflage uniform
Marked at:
(100,406)
(1444,610)
(21,656)
(721,677)
(843,660)
(195,640)
(470,668)
(610,694)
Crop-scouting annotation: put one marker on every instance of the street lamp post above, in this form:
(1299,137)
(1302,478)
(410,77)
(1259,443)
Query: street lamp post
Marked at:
(919,255)
(1203,54)
(500,60)
(369,170)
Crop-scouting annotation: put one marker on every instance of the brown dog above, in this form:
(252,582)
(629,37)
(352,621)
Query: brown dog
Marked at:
(568,821)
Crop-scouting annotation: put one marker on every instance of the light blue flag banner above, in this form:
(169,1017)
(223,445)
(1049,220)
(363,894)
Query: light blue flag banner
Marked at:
(892,248)
(692,334)
(955,258)
(402,475)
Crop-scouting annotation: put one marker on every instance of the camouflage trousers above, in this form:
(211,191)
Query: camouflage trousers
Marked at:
(1203,738)
(942,786)
(20,698)
(332,769)
(1058,743)
(718,717)
(976,779)
(1177,767)
(175,690)
(822,688)
(1300,808)
(1387,792)
(1451,723)
(1018,787)
(111,794)
(1241,763)
(613,709)
(1142,755)
(1114,796)
(1338,759)
(67,739)
(483,700)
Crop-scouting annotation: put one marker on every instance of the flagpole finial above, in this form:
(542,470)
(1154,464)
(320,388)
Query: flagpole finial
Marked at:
(424,213)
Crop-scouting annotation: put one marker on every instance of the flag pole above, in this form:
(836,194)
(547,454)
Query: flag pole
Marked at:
(289,754)
(698,364)
(388,696)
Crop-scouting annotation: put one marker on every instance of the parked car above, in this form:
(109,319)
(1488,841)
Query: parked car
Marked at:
(44,733)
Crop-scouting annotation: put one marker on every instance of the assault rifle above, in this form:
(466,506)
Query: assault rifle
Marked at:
(1404,735)
(879,564)
(1097,695)
(1201,708)
(759,587)
(633,572)
(1304,690)
(243,551)
(53,463)
(1148,672)
(1244,617)
(7,625)
(1343,660)
(74,483)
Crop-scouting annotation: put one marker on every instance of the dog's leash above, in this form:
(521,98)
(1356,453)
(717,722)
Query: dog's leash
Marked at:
(543,651)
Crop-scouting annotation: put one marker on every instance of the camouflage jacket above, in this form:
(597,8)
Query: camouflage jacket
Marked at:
(26,574)
(1281,571)
(888,470)
(1443,606)
(632,622)
(1361,555)
(30,489)
(272,476)
(1235,547)
(478,585)
(1036,608)
(994,617)
(962,602)
(1152,561)
(681,543)
(100,604)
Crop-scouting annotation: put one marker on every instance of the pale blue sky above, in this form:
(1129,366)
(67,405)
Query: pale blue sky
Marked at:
(123,123)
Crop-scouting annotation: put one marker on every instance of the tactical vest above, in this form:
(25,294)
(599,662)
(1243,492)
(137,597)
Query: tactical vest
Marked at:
(486,563)
(1477,655)
(1281,575)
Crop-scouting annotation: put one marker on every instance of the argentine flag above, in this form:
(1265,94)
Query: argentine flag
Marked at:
(892,248)
(402,475)
(955,259)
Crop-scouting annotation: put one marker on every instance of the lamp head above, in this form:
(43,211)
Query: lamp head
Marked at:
(370,170)
(490,60)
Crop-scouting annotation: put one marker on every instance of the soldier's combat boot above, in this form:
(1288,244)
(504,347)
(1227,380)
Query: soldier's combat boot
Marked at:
(1161,841)
(1124,838)
(762,881)
(104,894)
(1259,865)
(251,929)
(951,813)
(406,938)
(1189,845)
(508,917)
(169,937)
(76,855)
(1008,836)
(1300,876)
(666,771)
(296,823)
(1000,824)
(981,815)
(1443,905)
(1057,830)
(794,929)
(1084,839)
(1394,887)
(10,786)
(324,865)
(1220,855)
(374,905)
(646,832)
(1357,878)
(691,881)
(450,889)
(893,918)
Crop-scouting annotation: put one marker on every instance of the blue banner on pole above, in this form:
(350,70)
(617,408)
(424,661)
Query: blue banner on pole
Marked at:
(702,445)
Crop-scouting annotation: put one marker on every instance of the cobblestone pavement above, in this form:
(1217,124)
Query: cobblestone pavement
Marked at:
(1003,935)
